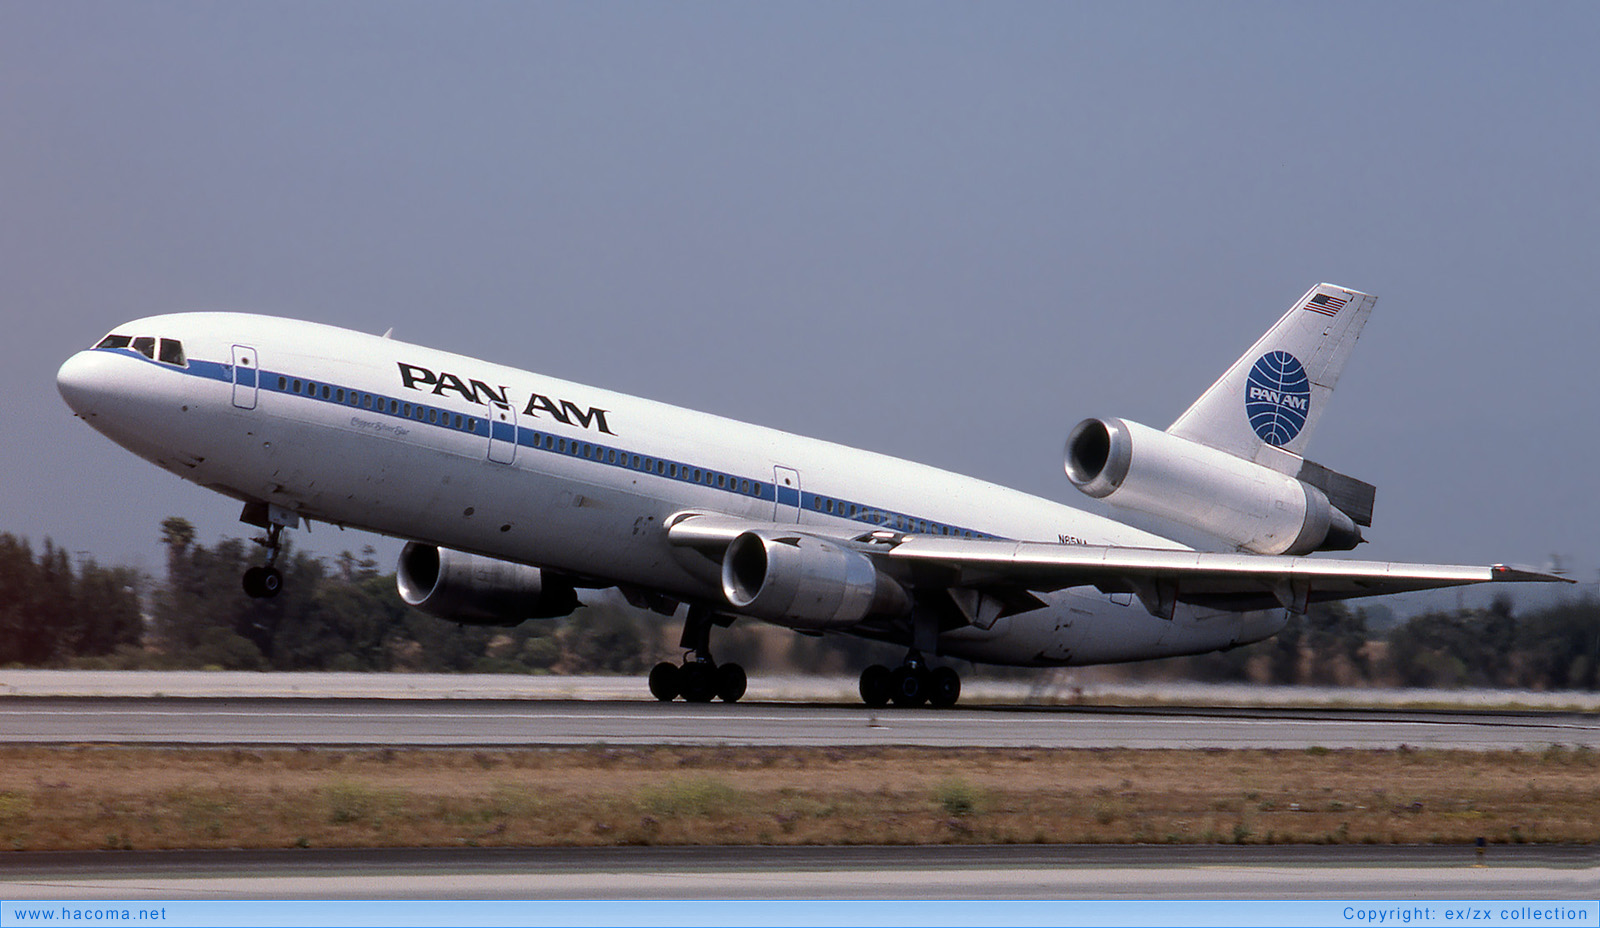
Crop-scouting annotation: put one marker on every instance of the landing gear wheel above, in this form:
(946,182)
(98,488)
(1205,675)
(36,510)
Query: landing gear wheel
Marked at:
(908,686)
(262,582)
(877,684)
(265,582)
(944,688)
(731,682)
(664,681)
(697,681)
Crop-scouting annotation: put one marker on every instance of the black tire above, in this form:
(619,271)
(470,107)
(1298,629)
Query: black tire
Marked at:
(944,688)
(909,687)
(697,682)
(253,586)
(271,582)
(664,681)
(731,682)
(876,685)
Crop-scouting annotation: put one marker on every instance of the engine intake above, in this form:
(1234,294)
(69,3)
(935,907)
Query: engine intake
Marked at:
(1255,507)
(476,590)
(802,581)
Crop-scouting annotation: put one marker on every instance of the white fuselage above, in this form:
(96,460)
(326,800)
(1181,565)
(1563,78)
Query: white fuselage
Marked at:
(426,445)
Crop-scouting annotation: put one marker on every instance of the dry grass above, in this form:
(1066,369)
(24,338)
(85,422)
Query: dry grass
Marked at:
(111,797)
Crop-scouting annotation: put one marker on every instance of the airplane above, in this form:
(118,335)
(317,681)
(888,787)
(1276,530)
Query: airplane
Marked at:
(514,491)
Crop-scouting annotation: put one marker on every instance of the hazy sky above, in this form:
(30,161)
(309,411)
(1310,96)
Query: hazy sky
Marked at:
(942,231)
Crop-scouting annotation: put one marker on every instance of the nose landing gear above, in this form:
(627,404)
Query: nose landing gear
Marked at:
(266,581)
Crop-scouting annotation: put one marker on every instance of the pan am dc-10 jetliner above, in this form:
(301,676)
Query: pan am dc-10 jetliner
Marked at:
(515,490)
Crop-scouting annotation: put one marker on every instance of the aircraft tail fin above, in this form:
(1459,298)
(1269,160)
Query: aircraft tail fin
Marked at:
(1269,401)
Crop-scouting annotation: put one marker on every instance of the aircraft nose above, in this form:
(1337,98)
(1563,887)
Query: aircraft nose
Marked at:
(83,381)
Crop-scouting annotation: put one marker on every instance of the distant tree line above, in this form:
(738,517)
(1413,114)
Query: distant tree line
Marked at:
(345,614)
(1552,648)
(52,611)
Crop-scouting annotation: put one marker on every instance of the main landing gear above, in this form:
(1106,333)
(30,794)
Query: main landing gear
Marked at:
(699,678)
(909,685)
(266,581)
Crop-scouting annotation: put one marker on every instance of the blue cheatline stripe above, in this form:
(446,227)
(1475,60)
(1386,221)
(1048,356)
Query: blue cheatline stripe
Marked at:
(421,414)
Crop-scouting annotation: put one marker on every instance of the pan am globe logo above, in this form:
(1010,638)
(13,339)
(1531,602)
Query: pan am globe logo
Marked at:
(1277,397)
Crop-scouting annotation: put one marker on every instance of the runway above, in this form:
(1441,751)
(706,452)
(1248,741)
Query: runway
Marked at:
(334,710)
(860,873)
(500,722)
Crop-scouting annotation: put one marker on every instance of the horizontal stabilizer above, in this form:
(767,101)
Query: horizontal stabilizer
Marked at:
(1350,496)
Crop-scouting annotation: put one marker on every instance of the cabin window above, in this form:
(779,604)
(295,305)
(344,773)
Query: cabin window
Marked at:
(744,486)
(394,406)
(472,424)
(338,395)
(366,400)
(297,386)
(327,392)
(611,456)
(172,352)
(115,341)
(283,383)
(145,346)
(433,415)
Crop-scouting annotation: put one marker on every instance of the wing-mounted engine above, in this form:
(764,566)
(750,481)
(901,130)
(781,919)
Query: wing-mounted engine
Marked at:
(1248,504)
(803,581)
(477,590)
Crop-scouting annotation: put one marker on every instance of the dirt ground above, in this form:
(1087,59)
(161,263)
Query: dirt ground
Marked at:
(118,797)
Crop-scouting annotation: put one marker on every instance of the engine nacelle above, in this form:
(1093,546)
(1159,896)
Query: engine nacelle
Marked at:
(477,590)
(802,581)
(1255,507)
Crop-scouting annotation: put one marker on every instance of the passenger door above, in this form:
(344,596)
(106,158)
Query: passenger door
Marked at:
(786,494)
(502,432)
(245,377)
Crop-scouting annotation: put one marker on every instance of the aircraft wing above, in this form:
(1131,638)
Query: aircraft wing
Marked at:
(1161,578)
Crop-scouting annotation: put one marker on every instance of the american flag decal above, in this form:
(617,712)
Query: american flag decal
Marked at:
(1325,304)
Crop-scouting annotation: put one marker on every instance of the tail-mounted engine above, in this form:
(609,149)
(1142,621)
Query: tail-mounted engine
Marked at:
(1253,506)
(802,581)
(478,590)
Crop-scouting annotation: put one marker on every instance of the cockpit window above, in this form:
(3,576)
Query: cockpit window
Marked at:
(145,346)
(114,341)
(172,352)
